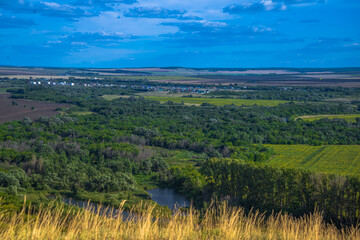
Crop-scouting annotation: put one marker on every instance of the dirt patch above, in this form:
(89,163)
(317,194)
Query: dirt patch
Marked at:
(17,109)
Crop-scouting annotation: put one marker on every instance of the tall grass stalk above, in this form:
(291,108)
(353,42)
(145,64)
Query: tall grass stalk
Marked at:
(57,221)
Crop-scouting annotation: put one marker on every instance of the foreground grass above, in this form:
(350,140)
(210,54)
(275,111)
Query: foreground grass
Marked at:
(218,101)
(334,159)
(347,117)
(61,222)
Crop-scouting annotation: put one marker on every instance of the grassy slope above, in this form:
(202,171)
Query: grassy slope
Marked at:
(218,101)
(336,159)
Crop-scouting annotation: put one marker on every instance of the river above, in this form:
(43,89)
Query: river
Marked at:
(162,196)
(169,197)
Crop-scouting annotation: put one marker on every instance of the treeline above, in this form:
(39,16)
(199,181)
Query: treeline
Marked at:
(310,94)
(177,126)
(78,95)
(266,188)
(205,128)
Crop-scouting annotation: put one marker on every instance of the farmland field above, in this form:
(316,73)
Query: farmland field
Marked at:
(347,117)
(166,94)
(218,101)
(111,97)
(335,159)
(345,77)
(17,109)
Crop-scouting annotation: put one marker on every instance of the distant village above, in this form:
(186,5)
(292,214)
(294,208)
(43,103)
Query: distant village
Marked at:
(145,87)
(184,89)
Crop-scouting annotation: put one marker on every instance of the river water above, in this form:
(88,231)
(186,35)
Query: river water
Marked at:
(162,196)
(169,197)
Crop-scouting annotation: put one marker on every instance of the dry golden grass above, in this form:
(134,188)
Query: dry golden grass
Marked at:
(58,222)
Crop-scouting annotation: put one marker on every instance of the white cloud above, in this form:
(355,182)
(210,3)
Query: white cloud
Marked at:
(268,4)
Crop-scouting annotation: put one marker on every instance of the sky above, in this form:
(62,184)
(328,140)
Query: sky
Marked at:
(196,33)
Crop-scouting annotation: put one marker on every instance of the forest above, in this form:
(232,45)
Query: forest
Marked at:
(110,151)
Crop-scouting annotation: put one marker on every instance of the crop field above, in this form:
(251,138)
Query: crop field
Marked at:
(347,77)
(347,117)
(17,109)
(334,159)
(162,79)
(218,101)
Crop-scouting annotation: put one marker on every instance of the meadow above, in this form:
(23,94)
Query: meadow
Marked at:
(347,117)
(111,97)
(182,157)
(333,159)
(57,221)
(3,90)
(166,94)
(218,101)
(82,113)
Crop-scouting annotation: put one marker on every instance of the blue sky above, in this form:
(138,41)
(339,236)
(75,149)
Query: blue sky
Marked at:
(198,33)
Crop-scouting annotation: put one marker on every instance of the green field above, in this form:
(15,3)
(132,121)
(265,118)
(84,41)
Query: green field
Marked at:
(182,157)
(114,96)
(82,113)
(347,117)
(218,101)
(335,159)
(166,94)
(3,90)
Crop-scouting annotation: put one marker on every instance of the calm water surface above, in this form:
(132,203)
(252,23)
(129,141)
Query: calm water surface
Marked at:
(168,197)
(163,196)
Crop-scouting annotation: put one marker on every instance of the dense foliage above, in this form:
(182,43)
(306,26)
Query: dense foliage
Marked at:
(309,94)
(290,190)
(106,150)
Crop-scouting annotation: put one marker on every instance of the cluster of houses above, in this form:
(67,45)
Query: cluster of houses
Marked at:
(135,87)
(51,83)
(142,87)
(64,83)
